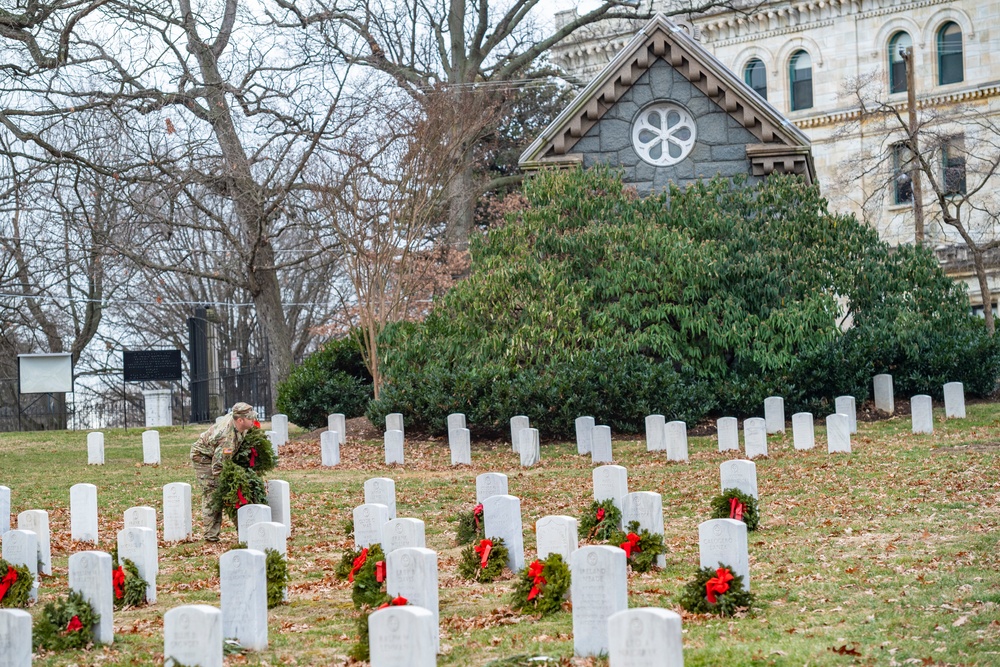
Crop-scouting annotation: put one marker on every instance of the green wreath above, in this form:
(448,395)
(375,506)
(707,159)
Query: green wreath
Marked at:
(277,577)
(258,449)
(470,564)
(129,586)
(723,507)
(542,586)
(641,546)
(366,575)
(601,521)
(64,624)
(735,598)
(471,526)
(15,585)
(238,486)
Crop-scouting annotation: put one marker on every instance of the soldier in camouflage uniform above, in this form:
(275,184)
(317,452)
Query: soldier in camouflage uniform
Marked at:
(207,454)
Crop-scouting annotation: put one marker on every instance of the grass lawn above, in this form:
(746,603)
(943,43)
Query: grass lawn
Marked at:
(886,556)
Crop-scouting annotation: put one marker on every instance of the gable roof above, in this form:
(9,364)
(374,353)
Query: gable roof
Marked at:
(783,147)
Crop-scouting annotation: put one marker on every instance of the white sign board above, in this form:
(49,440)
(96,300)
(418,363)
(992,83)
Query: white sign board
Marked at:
(45,373)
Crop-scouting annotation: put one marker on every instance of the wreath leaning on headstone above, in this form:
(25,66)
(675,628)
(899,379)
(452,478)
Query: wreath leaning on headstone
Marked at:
(600,521)
(734,504)
(717,591)
(483,562)
(365,570)
(641,546)
(361,649)
(64,624)
(129,586)
(471,527)
(542,586)
(15,585)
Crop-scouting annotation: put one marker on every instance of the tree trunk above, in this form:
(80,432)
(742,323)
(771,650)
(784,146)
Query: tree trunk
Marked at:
(461,207)
(984,288)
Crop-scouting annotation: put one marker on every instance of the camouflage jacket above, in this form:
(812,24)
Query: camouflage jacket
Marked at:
(217,444)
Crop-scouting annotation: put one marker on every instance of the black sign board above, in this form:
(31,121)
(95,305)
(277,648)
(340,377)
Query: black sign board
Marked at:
(144,365)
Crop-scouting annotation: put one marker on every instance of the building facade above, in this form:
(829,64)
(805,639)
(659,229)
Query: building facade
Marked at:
(836,69)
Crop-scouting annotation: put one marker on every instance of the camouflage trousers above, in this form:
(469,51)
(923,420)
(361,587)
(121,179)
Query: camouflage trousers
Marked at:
(211,518)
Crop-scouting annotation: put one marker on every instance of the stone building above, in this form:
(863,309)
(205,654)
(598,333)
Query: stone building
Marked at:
(817,61)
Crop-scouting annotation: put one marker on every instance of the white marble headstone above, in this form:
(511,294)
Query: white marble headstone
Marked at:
(456,420)
(243,597)
(151,448)
(337,422)
(90,576)
(838,433)
(393,447)
(95,448)
(584,434)
(754,437)
(655,441)
(676,436)
(329,448)
(502,518)
(177,512)
(884,399)
(803,432)
(774,414)
(645,637)
(268,535)
(516,425)
(139,546)
(15,638)
(37,521)
(382,490)
(725,541)
(954,400)
(20,547)
(248,515)
(394,422)
(556,534)
(402,534)
(846,405)
(402,637)
(141,517)
(490,484)
(599,589)
(279,499)
(729,433)
(279,425)
(192,635)
(738,474)
(460,446)
(646,507)
(922,414)
(4,510)
(528,448)
(611,481)
(83,513)
(412,572)
(600,451)
(369,524)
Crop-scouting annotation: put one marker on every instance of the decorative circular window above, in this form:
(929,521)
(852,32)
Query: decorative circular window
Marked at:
(663,134)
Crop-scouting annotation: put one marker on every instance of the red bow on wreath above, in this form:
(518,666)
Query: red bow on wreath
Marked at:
(736,509)
(118,579)
(74,625)
(395,602)
(535,572)
(8,581)
(477,512)
(631,545)
(380,571)
(240,500)
(256,423)
(484,549)
(253,456)
(358,564)
(718,584)
(600,514)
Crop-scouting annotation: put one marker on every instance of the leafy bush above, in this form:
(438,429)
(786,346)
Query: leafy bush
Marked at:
(331,380)
(595,301)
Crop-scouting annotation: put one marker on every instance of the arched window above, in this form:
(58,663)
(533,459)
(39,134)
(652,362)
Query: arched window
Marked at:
(800,78)
(897,66)
(755,76)
(949,52)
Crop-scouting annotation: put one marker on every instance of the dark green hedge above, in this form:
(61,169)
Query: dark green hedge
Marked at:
(597,302)
(331,380)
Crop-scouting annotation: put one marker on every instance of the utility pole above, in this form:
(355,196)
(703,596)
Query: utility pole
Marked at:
(911,108)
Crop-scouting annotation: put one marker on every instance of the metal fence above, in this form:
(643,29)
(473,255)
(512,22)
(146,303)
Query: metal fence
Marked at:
(214,393)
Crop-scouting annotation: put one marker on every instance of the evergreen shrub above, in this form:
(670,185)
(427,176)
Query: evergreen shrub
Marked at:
(331,380)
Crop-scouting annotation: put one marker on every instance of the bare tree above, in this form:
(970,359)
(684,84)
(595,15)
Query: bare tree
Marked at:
(953,149)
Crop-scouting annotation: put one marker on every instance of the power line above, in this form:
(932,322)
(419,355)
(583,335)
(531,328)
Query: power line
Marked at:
(154,302)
